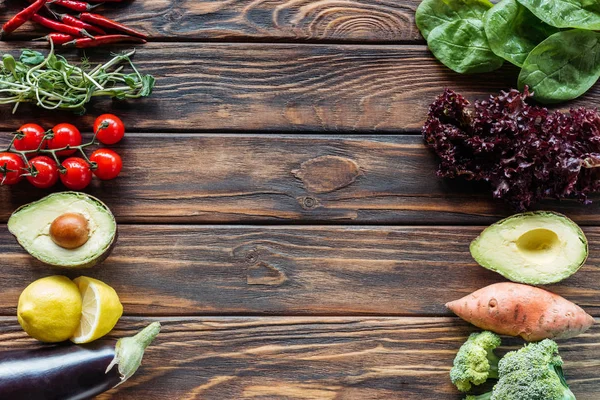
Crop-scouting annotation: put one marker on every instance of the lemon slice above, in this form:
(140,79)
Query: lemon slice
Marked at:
(101,309)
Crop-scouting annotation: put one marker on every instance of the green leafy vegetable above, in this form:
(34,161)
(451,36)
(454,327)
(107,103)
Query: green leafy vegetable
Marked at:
(10,64)
(513,31)
(563,67)
(51,82)
(470,36)
(462,46)
(31,57)
(433,13)
(583,14)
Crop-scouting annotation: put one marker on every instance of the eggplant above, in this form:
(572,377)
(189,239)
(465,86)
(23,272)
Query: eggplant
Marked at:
(72,372)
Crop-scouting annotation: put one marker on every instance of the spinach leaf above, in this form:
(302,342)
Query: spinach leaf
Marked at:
(562,67)
(583,14)
(31,57)
(433,13)
(462,46)
(148,82)
(513,31)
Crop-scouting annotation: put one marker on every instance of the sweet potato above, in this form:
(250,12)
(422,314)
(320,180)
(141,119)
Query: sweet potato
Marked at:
(520,310)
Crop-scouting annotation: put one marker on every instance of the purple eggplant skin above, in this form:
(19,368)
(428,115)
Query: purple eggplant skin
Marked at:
(71,372)
(63,372)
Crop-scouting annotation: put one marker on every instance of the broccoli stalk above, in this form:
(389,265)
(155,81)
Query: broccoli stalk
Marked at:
(475,361)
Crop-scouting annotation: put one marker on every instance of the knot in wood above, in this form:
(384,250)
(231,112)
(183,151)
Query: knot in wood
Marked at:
(327,173)
(252,257)
(309,202)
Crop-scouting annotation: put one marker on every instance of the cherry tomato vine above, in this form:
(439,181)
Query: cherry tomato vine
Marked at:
(34,154)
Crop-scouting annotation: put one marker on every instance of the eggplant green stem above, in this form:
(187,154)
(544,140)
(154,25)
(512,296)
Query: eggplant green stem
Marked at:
(129,351)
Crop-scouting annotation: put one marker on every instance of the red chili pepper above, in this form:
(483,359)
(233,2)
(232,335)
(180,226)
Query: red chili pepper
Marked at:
(57,26)
(74,5)
(72,21)
(82,43)
(104,22)
(22,17)
(57,38)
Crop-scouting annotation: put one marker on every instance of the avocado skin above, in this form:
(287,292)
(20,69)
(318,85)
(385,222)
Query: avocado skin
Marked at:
(96,260)
(514,277)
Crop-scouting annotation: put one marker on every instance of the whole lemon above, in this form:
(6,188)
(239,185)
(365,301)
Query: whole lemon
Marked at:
(49,309)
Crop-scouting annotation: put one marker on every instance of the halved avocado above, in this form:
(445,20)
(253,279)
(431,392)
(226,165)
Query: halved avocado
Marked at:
(67,229)
(535,247)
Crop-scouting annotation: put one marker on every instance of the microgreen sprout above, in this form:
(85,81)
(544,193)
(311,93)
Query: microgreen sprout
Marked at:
(51,82)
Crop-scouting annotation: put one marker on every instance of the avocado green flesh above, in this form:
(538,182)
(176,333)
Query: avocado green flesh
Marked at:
(535,248)
(31,226)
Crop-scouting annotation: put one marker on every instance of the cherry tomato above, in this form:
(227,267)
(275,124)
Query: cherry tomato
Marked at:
(47,172)
(13,163)
(109,163)
(78,173)
(33,134)
(113,133)
(64,134)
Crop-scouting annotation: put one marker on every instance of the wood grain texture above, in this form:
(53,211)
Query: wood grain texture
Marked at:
(281,87)
(317,270)
(311,358)
(289,20)
(276,179)
(284,178)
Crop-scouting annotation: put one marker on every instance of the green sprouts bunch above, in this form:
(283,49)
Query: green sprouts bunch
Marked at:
(51,82)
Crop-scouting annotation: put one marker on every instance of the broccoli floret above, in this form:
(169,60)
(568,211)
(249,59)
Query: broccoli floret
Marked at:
(475,361)
(532,373)
(485,396)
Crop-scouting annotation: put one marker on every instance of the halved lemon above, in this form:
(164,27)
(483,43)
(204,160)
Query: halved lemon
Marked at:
(101,309)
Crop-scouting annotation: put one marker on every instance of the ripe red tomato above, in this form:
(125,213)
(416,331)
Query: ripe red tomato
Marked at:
(11,166)
(77,175)
(108,163)
(64,134)
(33,134)
(113,132)
(45,170)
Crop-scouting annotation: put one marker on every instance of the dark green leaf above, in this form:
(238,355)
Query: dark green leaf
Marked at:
(148,82)
(462,46)
(563,67)
(513,31)
(583,14)
(31,57)
(433,13)
(131,80)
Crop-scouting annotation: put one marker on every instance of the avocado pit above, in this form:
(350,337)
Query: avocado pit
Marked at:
(70,230)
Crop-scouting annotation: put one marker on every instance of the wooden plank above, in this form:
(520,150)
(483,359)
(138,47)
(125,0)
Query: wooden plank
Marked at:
(281,87)
(268,178)
(325,20)
(310,270)
(311,358)
(280,179)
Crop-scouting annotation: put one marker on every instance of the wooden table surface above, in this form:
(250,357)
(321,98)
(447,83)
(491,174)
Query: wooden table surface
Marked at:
(279,213)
